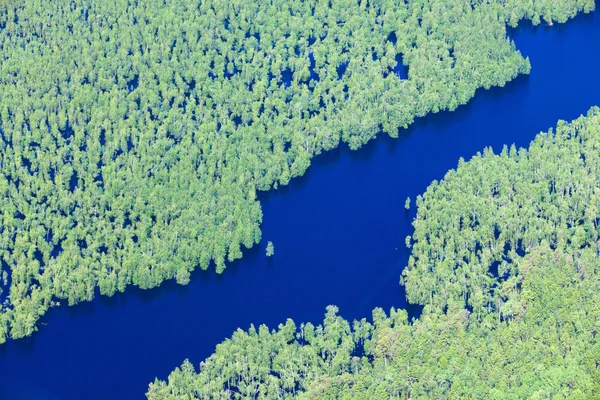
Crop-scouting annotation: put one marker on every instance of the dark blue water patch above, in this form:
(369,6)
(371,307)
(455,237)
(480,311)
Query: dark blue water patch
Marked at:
(57,250)
(338,232)
(493,268)
(52,173)
(20,390)
(400,70)
(248,34)
(392,38)
(314,76)
(130,141)
(26,163)
(520,250)
(73,181)
(191,85)
(37,254)
(133,83)
(126,220)
(19,215)
(286,77)
(341,69)
(374,55)
(67,132)
(499,269)
(237,120)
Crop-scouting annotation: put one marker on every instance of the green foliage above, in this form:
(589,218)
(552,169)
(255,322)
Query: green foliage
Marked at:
(270,249)
(496,209)
(533,336)
(134,134)
(183,276)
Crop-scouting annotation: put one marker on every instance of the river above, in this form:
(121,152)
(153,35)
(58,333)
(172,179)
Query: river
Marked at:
(338,233)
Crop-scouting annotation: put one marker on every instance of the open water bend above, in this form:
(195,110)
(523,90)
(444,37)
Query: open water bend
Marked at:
(338,233)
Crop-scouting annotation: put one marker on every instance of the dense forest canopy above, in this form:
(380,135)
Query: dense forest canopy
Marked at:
(135,134)
(510,284)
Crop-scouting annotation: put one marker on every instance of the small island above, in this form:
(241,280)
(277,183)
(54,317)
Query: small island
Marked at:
(270,249)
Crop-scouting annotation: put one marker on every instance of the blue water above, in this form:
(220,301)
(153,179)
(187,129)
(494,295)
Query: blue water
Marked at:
(338,234)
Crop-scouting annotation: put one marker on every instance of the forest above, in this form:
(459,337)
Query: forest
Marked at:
(506,262)
(135,134)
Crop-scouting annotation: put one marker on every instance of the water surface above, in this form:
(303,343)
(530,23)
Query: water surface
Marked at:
(338,233)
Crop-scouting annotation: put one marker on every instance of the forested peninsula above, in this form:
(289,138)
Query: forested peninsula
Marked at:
(505,259)
(135,134)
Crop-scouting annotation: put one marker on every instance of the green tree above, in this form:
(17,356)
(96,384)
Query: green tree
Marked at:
(270,249)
